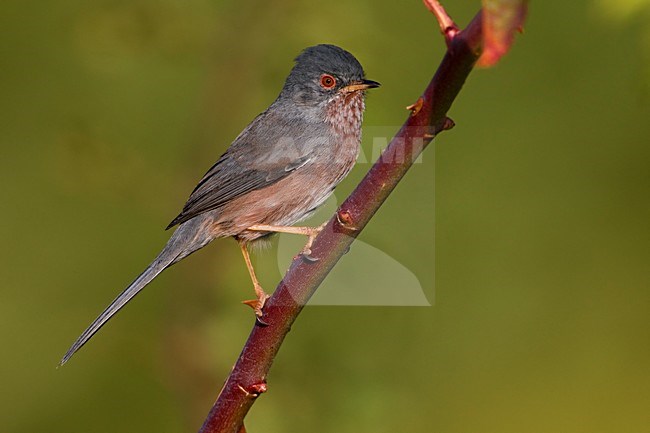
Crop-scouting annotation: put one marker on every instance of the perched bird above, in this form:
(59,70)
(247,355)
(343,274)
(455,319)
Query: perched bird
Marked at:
(284,165)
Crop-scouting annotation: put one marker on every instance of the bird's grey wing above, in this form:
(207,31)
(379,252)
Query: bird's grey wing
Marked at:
(268,150)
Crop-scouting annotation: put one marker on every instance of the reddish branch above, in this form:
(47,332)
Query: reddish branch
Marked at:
(428,116)
(447,26)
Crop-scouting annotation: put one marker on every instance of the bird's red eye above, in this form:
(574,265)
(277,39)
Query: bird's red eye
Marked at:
(327,81)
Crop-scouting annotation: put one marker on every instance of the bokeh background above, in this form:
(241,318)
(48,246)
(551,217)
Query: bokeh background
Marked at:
(527,226)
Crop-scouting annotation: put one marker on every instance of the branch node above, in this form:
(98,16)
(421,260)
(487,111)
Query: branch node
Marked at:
(344,218)
(415,108)
(447,26)
(254,390)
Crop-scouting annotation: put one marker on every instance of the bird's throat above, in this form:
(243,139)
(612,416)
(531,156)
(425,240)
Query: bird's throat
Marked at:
(345,114)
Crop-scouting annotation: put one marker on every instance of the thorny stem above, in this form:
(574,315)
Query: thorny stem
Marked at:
(428,117)
(447,26)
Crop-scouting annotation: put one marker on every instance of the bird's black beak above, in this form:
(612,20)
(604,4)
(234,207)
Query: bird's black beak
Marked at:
(370,84)
(360,85)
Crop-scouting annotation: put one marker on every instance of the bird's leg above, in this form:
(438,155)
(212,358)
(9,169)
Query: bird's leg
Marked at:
(306,250)
(310,232)
(255,304)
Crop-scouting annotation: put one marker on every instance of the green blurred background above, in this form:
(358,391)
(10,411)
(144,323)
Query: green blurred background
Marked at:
(536,209)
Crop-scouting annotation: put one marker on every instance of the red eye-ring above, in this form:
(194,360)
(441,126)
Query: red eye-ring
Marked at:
(327,81)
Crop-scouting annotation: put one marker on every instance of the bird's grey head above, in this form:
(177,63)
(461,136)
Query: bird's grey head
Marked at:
(322,72)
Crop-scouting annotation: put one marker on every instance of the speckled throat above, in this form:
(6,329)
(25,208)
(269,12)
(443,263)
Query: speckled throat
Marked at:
(345,113)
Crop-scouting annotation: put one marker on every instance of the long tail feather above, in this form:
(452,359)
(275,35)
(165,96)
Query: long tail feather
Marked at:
(145,278)
(187,239)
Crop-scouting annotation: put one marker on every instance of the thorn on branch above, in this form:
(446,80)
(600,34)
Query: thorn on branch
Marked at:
(448,124)
(444,125)
(415,108)
(254,390)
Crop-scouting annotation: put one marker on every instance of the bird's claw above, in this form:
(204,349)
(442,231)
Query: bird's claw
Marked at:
(306,255)
(306,251)
(261,322)
(258,304)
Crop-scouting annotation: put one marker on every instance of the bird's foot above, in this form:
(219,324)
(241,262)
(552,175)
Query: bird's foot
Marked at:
(311,233)
(258,304)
